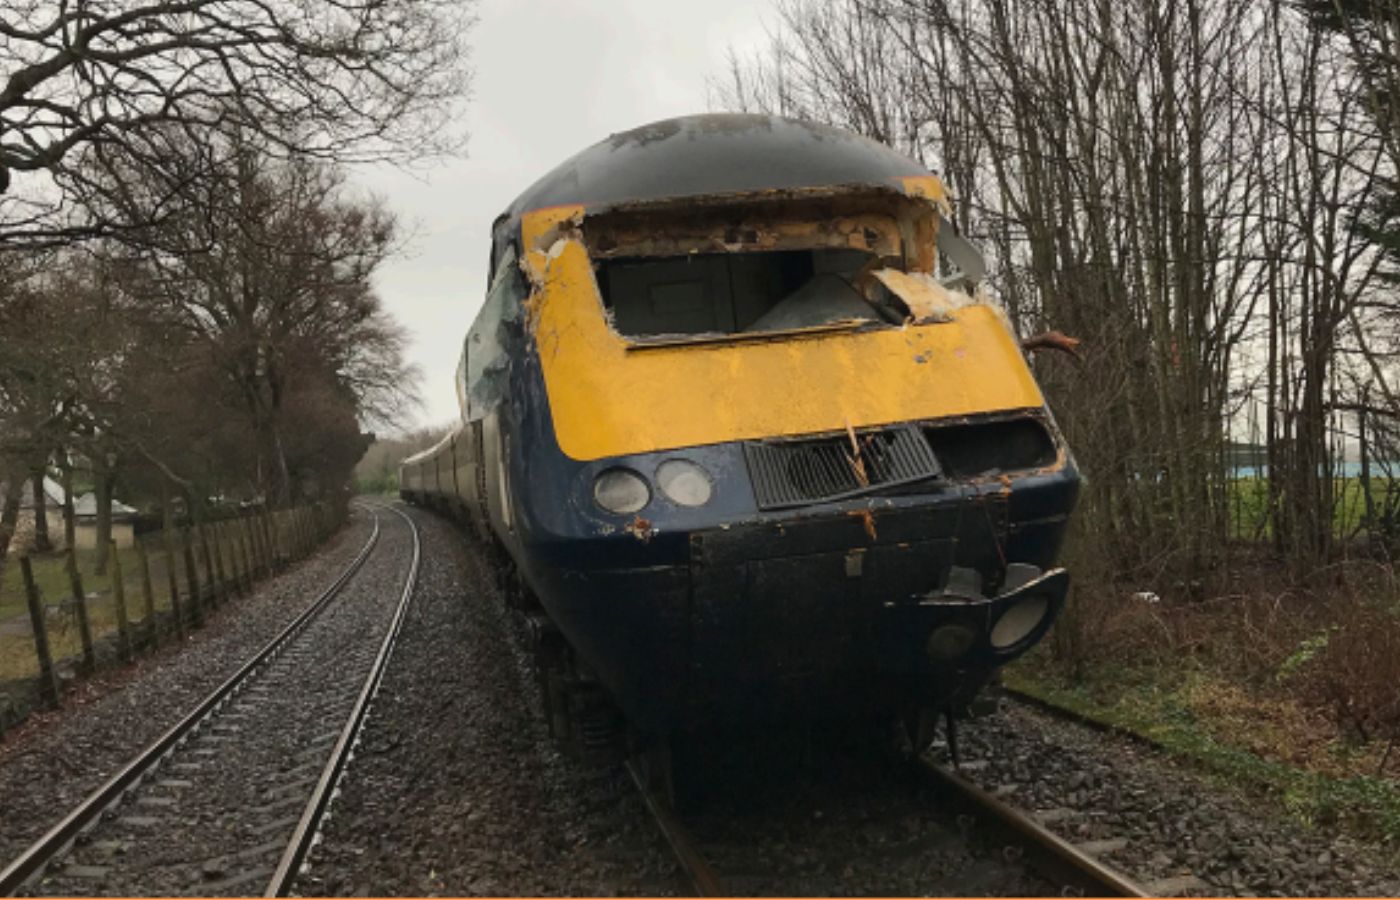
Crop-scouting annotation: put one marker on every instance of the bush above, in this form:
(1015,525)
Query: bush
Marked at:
(1354,673)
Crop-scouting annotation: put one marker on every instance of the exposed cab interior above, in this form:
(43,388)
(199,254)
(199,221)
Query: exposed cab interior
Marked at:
(738,293)
(753,267)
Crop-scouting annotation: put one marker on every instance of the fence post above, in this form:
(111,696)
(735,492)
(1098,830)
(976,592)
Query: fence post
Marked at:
(212,588)
(260,528)
(148,597)
(192,593)
(171,564)
(80,598)
(277,521)
(240,537)
(254,550)
(265,523)
(305,534)
(235,574)
(119,606)
(48,683)
(224,588)
(292,536)
(240,559)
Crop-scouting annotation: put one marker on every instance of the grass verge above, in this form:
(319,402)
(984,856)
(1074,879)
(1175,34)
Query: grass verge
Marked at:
(1242,739)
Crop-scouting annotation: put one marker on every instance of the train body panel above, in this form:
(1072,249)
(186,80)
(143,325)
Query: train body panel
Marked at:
(753,451)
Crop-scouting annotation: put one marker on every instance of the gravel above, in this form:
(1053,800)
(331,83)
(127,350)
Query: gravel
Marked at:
(55,759)
(456,788)
(817,813)
(215,817)
(1176,822)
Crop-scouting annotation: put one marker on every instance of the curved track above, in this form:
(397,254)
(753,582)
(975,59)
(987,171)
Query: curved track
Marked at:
(304,677)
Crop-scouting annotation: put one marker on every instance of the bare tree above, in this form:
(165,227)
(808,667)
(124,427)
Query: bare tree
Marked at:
(270,272)
(84,84)
(1184,186)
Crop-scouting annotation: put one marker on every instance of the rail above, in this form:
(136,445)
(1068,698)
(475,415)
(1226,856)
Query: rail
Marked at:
(304,837)
(60,837)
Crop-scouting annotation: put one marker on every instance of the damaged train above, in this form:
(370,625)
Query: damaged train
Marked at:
(748,439)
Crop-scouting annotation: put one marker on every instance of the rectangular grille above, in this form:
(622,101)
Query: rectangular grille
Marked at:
(796,473)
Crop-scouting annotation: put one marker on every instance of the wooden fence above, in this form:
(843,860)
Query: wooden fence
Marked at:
(60,621)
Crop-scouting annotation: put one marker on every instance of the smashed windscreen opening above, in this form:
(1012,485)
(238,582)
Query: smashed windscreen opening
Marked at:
(744,293)
(730,267)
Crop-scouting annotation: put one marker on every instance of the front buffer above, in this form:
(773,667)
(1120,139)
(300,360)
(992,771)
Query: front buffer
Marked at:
(865,607)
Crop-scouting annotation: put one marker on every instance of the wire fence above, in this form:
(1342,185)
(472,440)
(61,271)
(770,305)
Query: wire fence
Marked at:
(61,619)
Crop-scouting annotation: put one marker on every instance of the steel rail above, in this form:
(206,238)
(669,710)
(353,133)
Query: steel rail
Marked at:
(702,877)
(58,838)
(1063,858)
(304,837)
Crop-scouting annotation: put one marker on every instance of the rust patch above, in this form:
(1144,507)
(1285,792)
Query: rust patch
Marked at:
(867,519)
(641,529)
(854,459)
(569,228)
(888,223)
(1052,340)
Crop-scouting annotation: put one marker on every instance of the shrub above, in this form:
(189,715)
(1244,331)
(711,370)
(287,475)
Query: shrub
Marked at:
(1354,673)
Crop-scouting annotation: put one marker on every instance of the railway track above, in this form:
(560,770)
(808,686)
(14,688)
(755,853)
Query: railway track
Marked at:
(1092,851)
(230,798)
(1075,869)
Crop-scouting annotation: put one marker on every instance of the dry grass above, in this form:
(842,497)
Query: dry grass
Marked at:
(1297,686)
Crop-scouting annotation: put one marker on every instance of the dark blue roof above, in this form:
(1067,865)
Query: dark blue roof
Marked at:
(715,154)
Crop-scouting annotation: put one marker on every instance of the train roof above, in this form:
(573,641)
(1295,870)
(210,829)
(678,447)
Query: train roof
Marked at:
(431,451)
(715,154)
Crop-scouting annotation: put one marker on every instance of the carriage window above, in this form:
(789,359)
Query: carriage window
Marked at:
(739,293)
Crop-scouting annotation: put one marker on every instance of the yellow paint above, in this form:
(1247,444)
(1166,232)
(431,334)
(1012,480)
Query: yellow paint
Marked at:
(610,398)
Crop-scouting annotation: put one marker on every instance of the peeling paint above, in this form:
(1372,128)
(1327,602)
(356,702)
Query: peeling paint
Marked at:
(928,301)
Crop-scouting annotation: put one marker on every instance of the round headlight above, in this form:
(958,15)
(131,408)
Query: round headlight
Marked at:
(1018,622)
(621,491)
(684,482)
(949,642)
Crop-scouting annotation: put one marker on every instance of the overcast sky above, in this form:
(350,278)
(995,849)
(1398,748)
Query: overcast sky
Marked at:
(551,77)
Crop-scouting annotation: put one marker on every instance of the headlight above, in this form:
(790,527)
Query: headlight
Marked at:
(684,482)
(949,642)
(621,491)
(1018,622)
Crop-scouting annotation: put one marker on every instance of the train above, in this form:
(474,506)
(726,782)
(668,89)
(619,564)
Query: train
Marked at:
(747,437)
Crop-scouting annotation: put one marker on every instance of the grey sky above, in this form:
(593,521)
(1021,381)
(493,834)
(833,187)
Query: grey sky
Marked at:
(552,77)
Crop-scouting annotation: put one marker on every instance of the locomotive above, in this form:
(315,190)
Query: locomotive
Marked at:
(746,436)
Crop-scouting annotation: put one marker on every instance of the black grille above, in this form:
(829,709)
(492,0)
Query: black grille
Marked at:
(795,473)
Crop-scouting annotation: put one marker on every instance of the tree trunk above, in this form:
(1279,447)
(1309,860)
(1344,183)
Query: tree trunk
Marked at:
(284,477)
(69,523)
(103,492)
(167,506)
(9,516)
(42,544)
